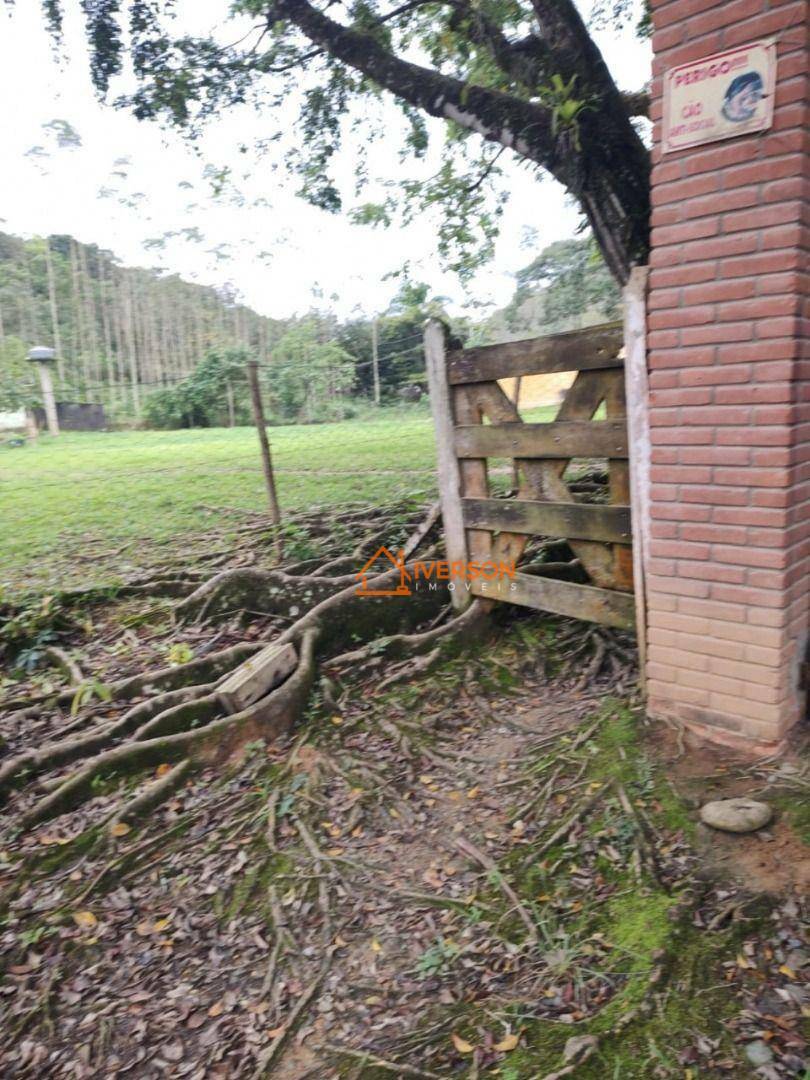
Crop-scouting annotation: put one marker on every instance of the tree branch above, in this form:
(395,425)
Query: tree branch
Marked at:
(498,117)
(599,157)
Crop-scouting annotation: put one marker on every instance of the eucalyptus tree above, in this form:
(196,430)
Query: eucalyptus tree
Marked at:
(518,76)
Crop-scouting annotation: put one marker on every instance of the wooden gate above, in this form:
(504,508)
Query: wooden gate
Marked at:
(476,420)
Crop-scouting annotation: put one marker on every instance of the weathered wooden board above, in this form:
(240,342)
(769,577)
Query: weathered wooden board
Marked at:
(562,598)
(474,478)
(578,350)
(567,439)
(582,399)
(571,521)
(257,676)
(449,474)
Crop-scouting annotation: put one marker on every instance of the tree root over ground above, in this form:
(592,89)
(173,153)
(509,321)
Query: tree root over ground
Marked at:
(414,886)
(183,719)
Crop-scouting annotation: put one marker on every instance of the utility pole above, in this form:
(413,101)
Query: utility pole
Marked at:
(42,357)
(264,445)
(375,361)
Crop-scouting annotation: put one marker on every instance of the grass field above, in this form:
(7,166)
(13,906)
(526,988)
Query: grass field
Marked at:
(92,506)
(68,503)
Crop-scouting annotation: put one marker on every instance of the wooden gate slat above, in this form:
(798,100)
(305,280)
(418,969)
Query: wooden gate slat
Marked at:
(568,520)
(604,606)
(485,423)
(567,439)
(577,350)
(474,480)
(581,401)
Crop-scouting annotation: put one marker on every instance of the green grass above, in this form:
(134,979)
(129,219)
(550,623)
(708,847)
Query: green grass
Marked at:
(67,504)
(87,493)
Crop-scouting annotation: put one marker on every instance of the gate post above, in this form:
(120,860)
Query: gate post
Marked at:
(637,393)
(729,360)
(449,475)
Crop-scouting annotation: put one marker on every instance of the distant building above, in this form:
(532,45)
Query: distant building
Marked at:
(76,416)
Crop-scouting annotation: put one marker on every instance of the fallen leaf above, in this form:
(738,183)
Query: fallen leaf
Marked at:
(461,1045)
(215,1009)
(161,770)
(507,1043)
(119,828)
(85,919)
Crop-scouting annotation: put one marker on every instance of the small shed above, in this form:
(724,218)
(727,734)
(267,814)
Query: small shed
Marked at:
(76,416)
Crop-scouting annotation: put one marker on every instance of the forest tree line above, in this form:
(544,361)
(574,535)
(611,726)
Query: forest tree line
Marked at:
(160,351)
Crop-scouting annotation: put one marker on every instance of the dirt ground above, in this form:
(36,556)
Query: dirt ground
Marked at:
(491,868)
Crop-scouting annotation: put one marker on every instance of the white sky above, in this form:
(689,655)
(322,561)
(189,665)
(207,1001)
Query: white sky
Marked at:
(283,257)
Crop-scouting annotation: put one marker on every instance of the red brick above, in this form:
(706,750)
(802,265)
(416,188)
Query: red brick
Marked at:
(762,217)
(680,396)
(718,333)
(712,291)
(682,474)
(716,415)
(714,455)
(774,558)
(688,230)
(716,376)
(748,352)
(679,512)
(736,395)
(712,534)
(714,495)
(681,357)
(676,435)
(752,477)
(718,157)
(757,307)
(678,190)
(762,263)
(686,316)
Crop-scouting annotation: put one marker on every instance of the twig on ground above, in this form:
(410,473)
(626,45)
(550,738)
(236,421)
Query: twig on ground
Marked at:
(367,1058)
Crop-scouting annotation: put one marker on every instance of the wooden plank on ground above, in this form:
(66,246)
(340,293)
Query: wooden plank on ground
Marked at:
(561,598)
(258,676)
(578,350)
(571,521)
(567,439)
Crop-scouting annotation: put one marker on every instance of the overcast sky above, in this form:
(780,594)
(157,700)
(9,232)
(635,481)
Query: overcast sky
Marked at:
(130,183)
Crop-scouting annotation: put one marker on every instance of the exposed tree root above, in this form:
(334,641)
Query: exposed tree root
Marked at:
(185,720)
(272,592)
(66,663)
(155,793)
(213,740)
(204,669)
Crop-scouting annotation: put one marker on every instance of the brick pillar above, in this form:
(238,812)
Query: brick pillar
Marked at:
(729,362)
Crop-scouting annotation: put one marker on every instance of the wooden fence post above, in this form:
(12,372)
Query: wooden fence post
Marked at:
(638,433)
(264,445)
(441,404)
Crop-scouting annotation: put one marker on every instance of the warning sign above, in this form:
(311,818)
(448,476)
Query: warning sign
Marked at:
(720,96)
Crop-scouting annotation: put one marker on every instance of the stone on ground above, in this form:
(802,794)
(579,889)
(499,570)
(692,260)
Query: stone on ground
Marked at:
(736,815)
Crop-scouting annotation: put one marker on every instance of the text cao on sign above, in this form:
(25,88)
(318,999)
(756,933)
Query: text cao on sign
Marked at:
(720,96)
